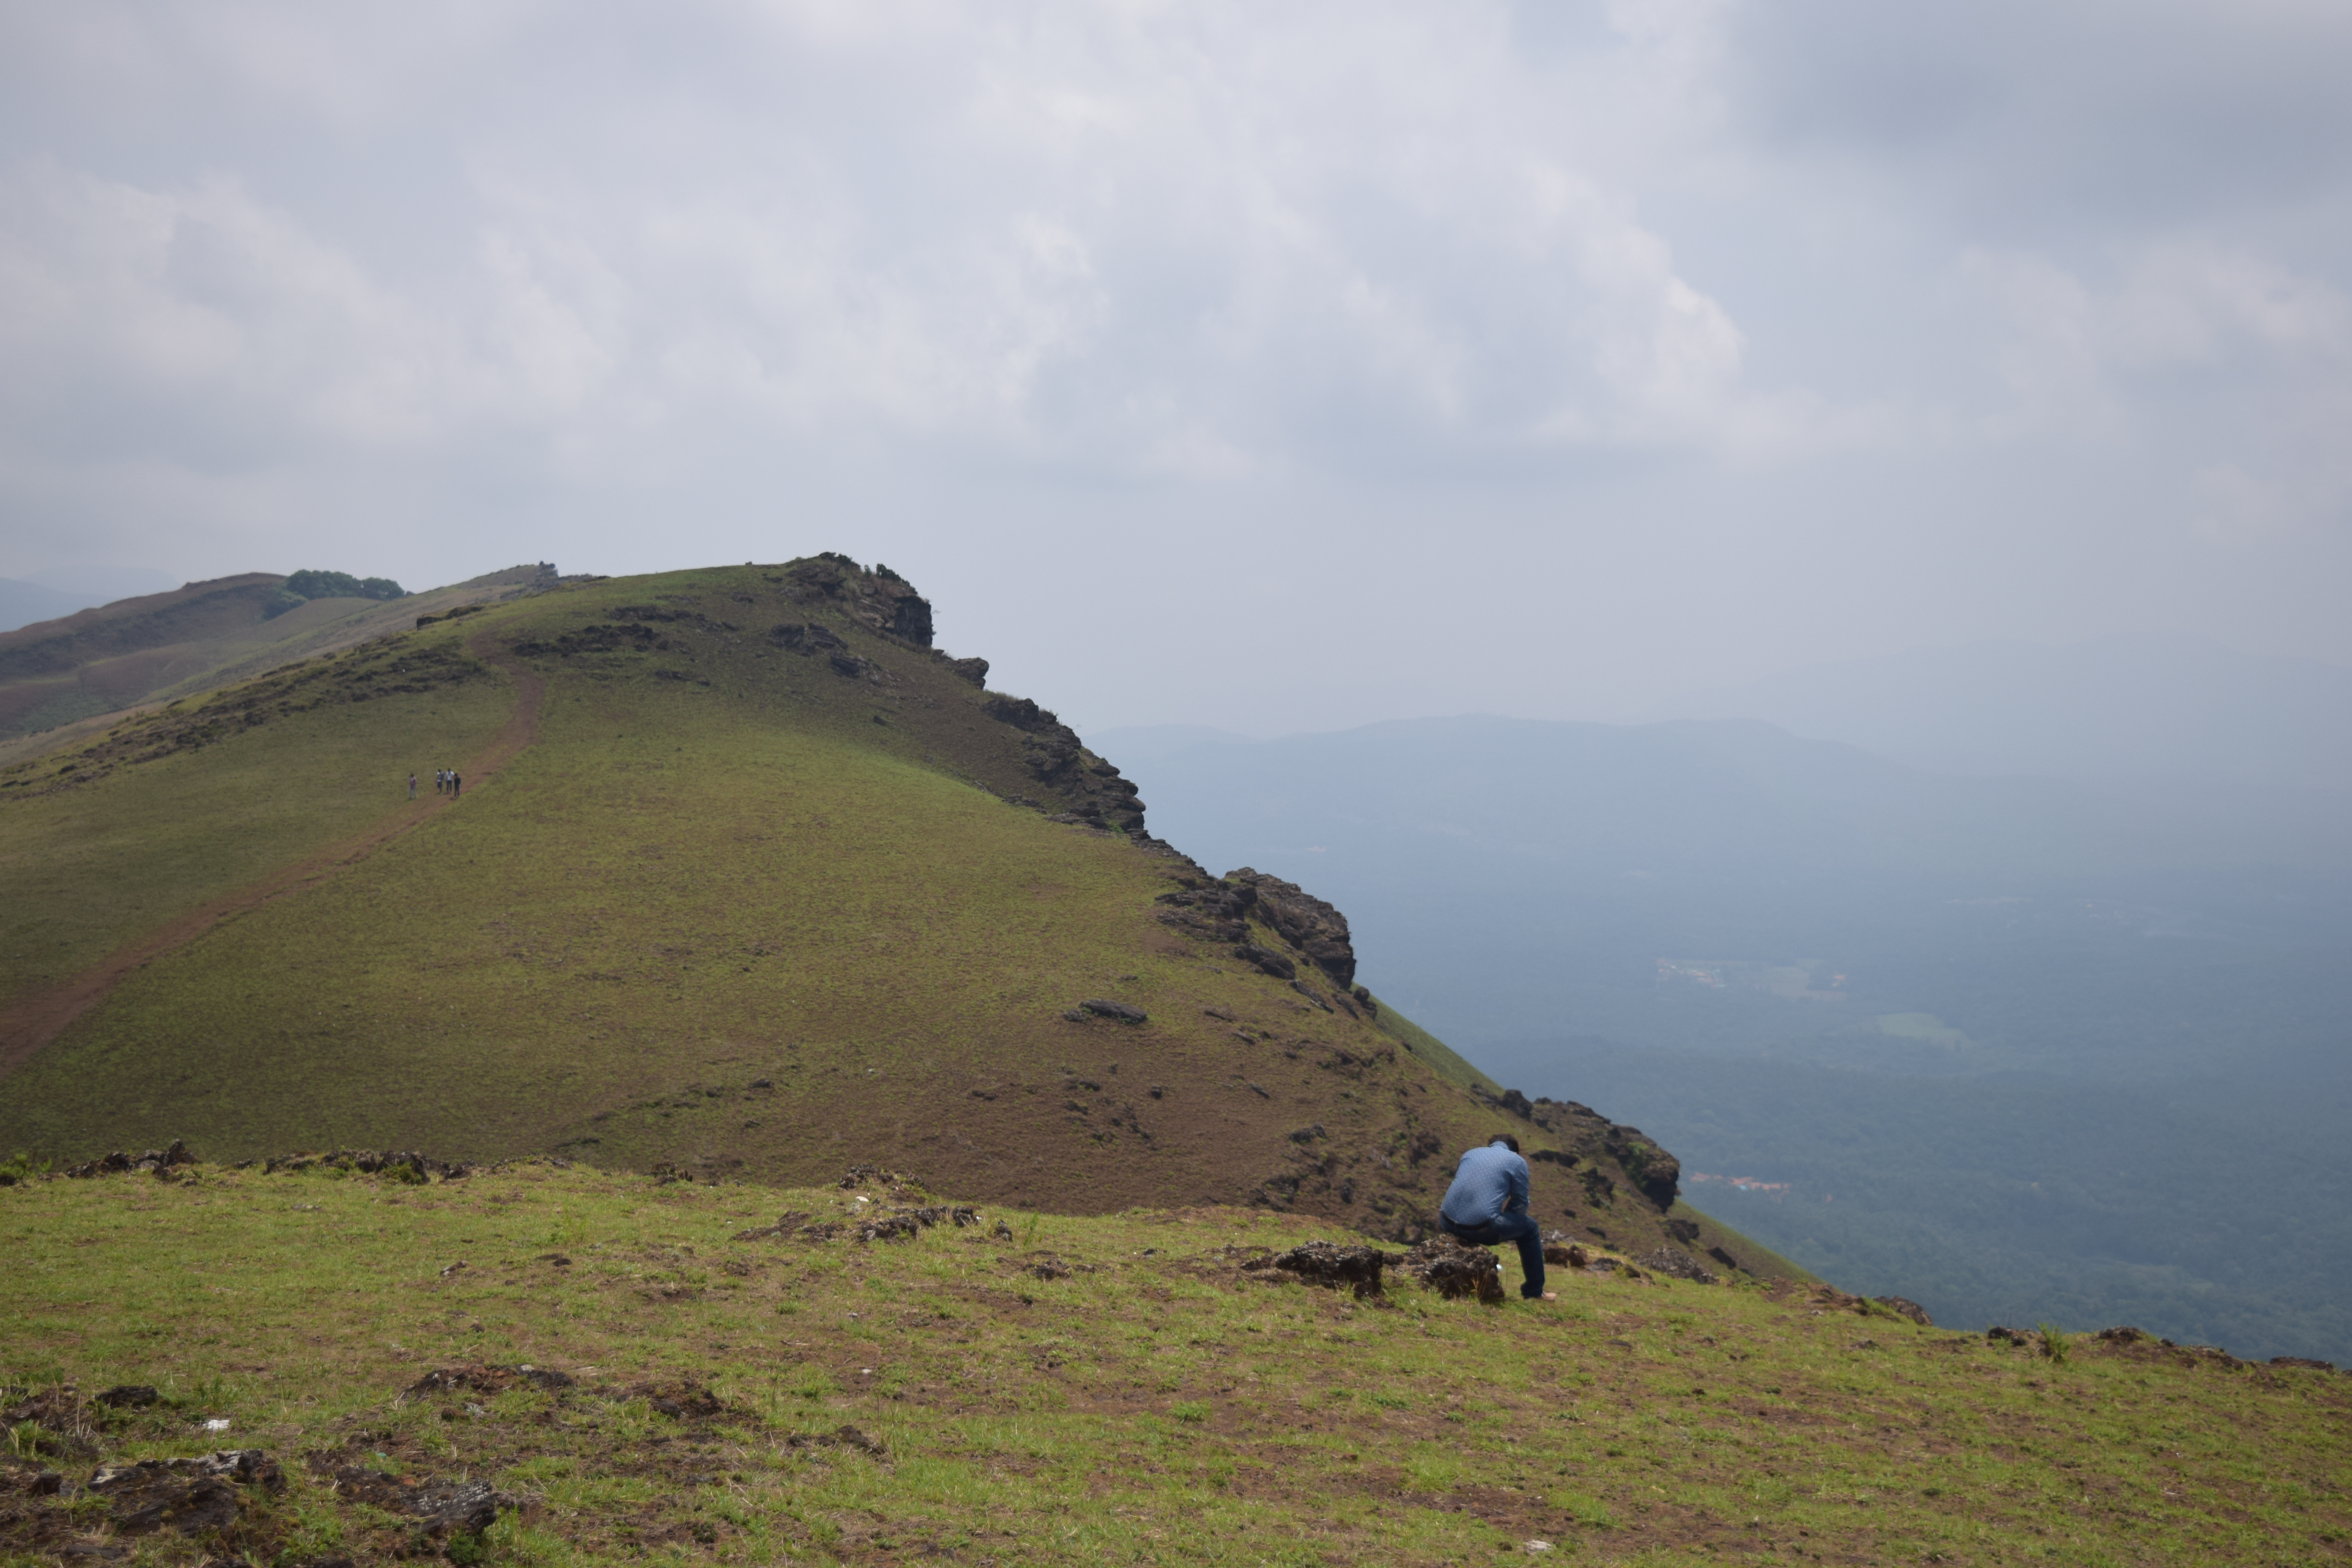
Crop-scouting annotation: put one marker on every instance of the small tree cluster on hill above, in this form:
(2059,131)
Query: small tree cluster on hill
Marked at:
(304,586)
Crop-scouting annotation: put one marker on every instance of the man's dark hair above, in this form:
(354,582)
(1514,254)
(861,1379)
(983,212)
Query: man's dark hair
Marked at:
(1506,1139)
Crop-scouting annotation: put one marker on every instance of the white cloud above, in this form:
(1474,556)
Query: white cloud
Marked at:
(1665,274)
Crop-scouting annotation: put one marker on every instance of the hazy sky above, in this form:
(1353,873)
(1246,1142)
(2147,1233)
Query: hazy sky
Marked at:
(1278,366)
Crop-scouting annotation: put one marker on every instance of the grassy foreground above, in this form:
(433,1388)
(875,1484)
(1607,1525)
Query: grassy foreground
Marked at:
(1104,1389)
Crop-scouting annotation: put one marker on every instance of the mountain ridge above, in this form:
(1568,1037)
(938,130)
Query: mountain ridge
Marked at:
(774,879)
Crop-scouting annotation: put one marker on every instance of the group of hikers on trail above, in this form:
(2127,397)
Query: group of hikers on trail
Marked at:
(445,781)
(1487,1205)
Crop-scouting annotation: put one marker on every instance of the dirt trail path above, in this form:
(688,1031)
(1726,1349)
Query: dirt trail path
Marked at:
(30,1023)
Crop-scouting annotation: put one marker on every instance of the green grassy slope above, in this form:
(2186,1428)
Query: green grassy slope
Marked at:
(1076,1390)
(1447,1063)
(740,907)
(64,680)
(89,867)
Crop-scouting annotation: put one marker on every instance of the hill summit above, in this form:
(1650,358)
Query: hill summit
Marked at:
(742,878)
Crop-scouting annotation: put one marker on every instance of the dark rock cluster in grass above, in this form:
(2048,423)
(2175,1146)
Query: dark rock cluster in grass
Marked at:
(805,637)
(1904,1305)
(223,1497)
(154,1162)
(1677,1265)
(182,1495)
(1102,1008)
(678,1401)
(400,1164)
(906,1223)
(53,1422)
(441,1509)
(841,1438)
(1455,1271)
(624,637)
(478,1378)
(1331,1265)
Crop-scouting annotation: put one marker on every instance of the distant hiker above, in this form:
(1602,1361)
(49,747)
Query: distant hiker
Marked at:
(1487,1205)
(440,780)
(457,784)
(412,786)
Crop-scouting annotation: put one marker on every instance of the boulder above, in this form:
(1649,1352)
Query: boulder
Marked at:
(1455,1271)
(1269,962)
(1678,1265)
(1103,1007)
(1325,1264)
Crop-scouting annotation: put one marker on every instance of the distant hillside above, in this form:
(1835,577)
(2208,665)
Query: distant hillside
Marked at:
(159,646)
(746,878)
(21,603)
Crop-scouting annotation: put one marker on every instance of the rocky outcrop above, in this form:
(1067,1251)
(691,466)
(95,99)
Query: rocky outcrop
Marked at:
(154,1162)
(1209,909)
(1655,1172)
(879,600)
(1455,1271)
(1303,922)
(1325,1264)
(1054,756)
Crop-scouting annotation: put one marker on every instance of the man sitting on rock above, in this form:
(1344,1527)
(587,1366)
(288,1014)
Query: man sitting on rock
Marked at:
(1487,1205)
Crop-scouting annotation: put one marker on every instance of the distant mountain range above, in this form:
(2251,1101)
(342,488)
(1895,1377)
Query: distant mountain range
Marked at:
(2119,710)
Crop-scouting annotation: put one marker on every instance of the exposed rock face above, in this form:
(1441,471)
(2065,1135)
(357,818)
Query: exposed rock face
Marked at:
(1210,909)
(1656,1174)
(1057,759)
(1303,920)
(880,599)
(1271,962)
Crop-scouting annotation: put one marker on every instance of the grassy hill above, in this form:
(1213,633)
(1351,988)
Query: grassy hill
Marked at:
(746,878)
(59,678)
(536,1365)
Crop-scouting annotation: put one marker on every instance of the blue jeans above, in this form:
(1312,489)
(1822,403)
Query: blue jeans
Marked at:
(1519,1227)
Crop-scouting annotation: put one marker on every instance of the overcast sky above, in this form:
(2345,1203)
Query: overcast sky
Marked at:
(1273,366)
